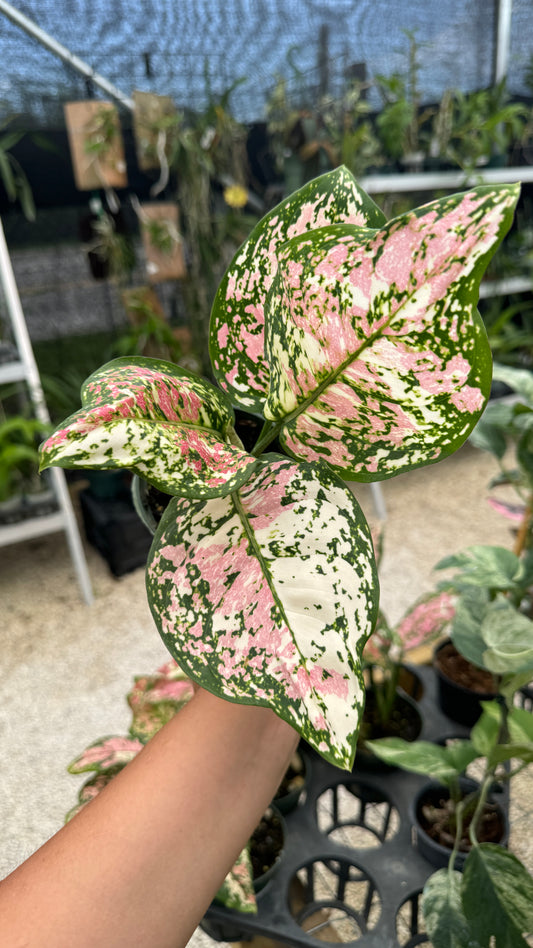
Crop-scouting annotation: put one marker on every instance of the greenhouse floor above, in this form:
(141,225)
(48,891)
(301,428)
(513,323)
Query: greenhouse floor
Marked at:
(66,667)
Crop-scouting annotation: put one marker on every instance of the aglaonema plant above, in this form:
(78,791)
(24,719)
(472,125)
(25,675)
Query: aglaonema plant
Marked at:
(358,343)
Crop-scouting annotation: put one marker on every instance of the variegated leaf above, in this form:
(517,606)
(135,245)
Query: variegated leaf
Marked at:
(267,596)
(379,361)
(92,788)
(106,754)
(237,319)
(155,699)
(237,890)
(170,427)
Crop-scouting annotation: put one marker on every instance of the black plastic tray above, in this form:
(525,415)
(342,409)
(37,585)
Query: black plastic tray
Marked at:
(321,880)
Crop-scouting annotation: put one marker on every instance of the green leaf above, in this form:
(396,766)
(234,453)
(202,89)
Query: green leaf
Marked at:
(170,427)
(520,380)
(423,757)
(520,724)
(492,567)
(379,361)
(485,732)
(444,919)
(466,634)
(237,319)
(267,597)
(524,452)
(508,636)
(497,897)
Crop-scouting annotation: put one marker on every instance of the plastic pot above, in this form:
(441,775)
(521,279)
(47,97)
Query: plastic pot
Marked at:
(437,854)
(460,703)
(406,722)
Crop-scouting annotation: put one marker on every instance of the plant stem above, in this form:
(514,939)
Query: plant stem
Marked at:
(458,833)
(269,432)
(524,528)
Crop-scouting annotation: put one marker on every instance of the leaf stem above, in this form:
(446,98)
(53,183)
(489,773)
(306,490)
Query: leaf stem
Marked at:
(458,833)
(268,433)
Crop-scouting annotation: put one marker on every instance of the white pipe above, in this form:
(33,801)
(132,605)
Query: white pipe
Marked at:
(59,50)
(503,38)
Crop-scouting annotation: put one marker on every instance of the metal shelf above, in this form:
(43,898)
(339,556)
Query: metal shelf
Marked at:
(24,369)
(516,284)
(31,528)
(435,180)
(12,372)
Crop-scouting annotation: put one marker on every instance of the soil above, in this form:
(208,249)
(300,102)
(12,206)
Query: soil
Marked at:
(462,672)
(157,501)
(436,818)
(294,777)
(266,843)
(403,721)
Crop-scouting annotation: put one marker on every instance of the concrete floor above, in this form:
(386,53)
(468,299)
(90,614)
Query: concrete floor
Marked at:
(66,667)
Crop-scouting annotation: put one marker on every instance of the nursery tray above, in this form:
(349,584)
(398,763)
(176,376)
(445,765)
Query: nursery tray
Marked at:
(349,870)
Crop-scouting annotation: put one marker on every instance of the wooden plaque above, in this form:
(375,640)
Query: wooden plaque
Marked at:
(92,171)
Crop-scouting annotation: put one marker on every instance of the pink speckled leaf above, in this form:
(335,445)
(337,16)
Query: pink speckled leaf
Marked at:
(92,788)
(237,890)
(379,361)
(155,699)
(105,754)
(172,428)
(237,319)
(267,596)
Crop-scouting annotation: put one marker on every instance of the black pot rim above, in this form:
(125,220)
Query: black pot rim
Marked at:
(482,695)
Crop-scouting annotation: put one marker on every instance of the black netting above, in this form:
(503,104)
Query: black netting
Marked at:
(184,48)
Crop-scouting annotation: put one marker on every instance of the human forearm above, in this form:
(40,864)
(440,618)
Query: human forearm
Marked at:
(141,863)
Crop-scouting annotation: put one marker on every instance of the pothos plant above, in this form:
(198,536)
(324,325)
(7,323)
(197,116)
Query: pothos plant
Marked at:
(358,342)
(490,903)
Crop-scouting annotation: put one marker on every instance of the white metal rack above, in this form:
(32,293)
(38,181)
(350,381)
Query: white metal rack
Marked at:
(24,369)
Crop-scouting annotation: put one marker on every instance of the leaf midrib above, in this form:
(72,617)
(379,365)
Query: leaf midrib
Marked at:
(250,535)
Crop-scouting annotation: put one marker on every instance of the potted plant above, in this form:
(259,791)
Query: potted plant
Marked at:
(485,125)
(154,700)
(21,492)
(492,587)
(401,120)
(393,687)
(359,343)
(481,891)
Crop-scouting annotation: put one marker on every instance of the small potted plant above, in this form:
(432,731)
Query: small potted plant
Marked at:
(21,492)
(359,344)
(154,700)
(393,686)
(480,891)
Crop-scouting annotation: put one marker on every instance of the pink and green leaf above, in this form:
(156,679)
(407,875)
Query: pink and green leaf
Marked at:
(155,699)
(267,596)
(92,788)
(379,361)
(237,320)
(105,754)
(237,890)
(172,428)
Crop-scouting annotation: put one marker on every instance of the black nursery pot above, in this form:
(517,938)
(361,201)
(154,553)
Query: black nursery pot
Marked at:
(405,721)
(458,702)
(266,851)
(293,784)
(437,854)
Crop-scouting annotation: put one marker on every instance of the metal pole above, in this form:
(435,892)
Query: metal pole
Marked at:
(31,374)
(59,50)
(504,11)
